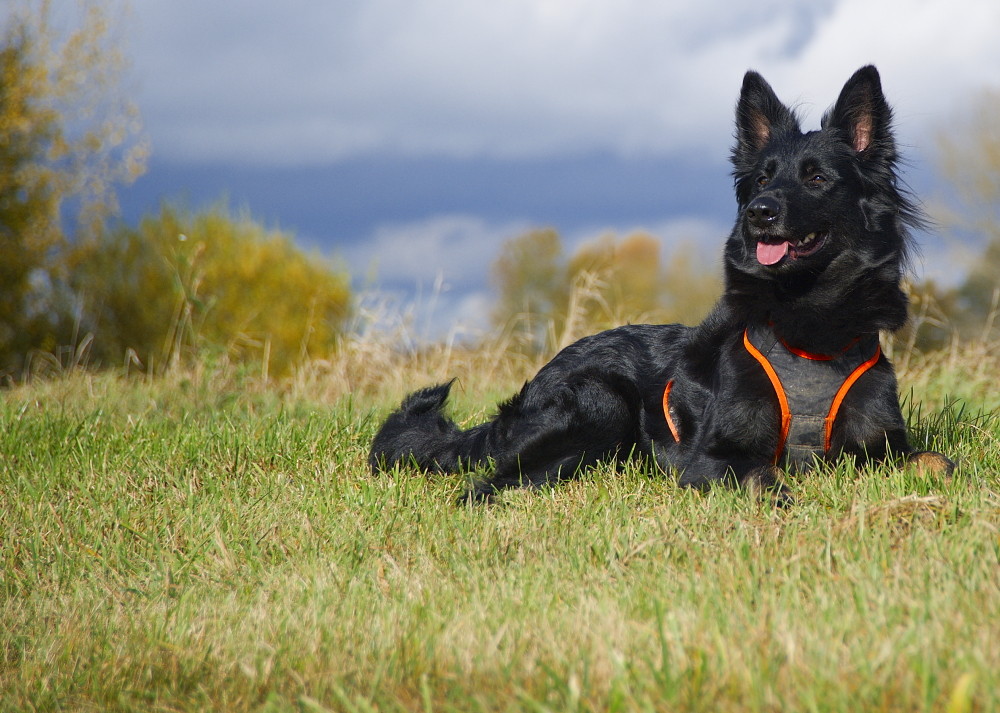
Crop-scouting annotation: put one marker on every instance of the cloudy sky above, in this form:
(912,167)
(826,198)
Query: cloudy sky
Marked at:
(412,137)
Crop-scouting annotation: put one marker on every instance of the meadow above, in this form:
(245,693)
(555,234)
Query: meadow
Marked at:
(211,540)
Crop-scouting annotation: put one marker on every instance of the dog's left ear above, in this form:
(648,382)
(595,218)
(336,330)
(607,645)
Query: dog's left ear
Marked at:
(862,113)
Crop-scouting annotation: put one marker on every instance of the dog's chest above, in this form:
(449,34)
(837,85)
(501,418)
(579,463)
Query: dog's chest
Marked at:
(810,389)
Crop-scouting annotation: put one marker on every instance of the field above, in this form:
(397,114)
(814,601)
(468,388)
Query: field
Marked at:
(207,541)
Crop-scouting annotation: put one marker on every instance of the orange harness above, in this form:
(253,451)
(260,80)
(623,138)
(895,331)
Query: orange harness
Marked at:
(810,390)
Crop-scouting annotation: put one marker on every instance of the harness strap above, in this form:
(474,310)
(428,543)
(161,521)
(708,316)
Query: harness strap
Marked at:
(842,392)
(786,414)
(666,412)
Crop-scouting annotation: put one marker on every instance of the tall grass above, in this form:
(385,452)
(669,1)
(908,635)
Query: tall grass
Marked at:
(212,540)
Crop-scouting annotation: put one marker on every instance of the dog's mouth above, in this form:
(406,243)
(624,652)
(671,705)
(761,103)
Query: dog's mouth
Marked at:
(771,252)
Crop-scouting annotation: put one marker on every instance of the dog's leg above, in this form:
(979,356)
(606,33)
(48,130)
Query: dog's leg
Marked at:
(528,471)
(765,482)
(552,435)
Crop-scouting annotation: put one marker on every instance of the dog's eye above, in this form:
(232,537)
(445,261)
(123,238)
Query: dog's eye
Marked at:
(817,180)
(763,181)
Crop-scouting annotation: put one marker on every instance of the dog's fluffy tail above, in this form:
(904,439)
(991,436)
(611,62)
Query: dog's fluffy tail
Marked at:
(418,433)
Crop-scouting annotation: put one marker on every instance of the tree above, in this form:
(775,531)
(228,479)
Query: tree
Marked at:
(28,205)
(969,157)
(528,276)
(67,138)
(548,299)
(628,279)
(181,285)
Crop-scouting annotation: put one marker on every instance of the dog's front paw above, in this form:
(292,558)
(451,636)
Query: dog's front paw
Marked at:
(478,494)
(930,464)
(765,482)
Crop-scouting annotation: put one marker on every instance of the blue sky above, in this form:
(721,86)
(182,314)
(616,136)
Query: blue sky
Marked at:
(410,138)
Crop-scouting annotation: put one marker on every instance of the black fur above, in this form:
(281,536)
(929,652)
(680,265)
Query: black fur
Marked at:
(830,202)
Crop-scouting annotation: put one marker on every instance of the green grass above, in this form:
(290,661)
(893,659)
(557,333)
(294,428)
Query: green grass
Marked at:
(217,545)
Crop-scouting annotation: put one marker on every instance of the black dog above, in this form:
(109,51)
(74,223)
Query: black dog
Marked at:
(787,367)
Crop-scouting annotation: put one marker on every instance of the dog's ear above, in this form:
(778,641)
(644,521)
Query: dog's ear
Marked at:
(862,113)
(759,115)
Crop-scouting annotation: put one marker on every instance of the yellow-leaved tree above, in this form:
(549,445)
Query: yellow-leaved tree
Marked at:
(68,137)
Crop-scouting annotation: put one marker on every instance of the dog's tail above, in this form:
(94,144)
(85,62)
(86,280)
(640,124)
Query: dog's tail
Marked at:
(419,434)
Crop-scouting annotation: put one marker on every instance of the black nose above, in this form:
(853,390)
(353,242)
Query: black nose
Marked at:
(763,210)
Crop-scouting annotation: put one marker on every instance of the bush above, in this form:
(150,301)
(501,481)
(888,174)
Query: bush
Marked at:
(547,299)
(182,284)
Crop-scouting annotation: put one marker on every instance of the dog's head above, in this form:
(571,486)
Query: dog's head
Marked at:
(811,200)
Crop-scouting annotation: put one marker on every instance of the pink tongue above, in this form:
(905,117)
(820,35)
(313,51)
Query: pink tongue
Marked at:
(768,254)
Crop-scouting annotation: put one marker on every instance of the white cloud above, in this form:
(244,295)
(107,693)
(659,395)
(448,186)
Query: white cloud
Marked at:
(931,56)
(304,81)
(431,275)
(440,253)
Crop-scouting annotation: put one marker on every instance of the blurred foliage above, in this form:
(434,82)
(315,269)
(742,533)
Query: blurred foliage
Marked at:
(183,285)
(968,157)
(530,278)
(547,299)
(67,138)
(28,202)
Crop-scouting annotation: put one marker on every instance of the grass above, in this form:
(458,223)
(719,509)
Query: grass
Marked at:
(207,542)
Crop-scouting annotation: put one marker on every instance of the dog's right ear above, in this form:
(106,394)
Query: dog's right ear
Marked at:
(759,115)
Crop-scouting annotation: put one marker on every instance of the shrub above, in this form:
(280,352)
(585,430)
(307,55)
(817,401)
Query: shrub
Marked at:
(182,284)
(547,299)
